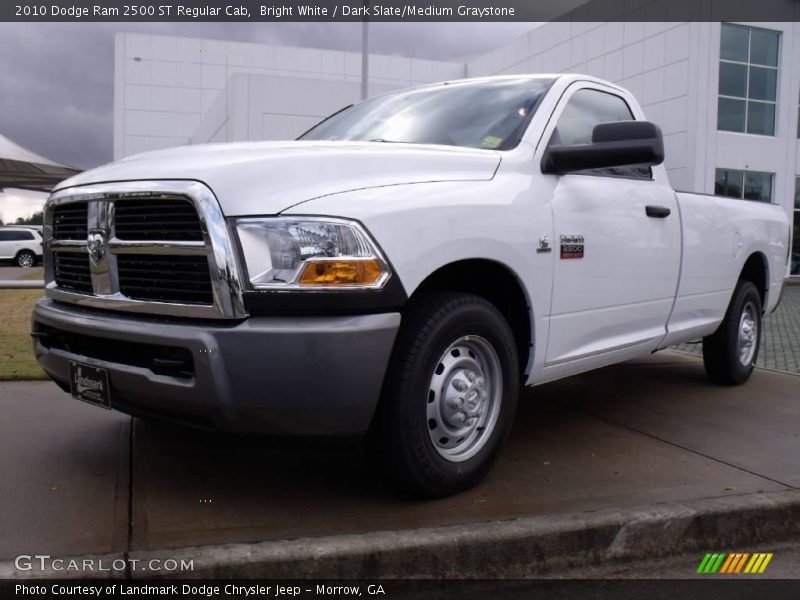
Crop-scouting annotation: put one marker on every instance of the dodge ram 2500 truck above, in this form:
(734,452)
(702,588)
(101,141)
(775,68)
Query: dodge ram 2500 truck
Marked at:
(400,271)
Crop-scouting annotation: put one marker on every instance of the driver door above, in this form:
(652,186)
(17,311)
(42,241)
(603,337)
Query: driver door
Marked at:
(616,266)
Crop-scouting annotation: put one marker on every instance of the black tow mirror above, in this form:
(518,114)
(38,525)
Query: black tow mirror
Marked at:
(620,144)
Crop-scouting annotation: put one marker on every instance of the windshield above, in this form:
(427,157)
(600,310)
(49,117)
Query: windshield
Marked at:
(473,114)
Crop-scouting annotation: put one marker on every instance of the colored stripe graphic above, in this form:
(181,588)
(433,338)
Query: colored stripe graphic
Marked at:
(741,562)
(734,563)
(727,564)
(753,564)
(758,563)
(737,563)
(711,563)
(718,564)
(703,564)
(766,562)
(730,564)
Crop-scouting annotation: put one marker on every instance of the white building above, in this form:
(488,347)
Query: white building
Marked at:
(726,96)
(170,91)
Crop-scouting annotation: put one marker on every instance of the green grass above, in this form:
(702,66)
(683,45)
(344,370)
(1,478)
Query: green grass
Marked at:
(16,351)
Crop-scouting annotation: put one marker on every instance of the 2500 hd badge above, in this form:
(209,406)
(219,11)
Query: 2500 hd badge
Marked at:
(390,274)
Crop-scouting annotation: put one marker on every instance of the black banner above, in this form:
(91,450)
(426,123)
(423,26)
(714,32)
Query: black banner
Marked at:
(441,589)
(401,10)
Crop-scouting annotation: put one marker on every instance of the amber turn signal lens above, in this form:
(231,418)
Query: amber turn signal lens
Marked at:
(341,272)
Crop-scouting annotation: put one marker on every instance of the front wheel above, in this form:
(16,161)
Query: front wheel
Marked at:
(25,259)
(730,353)
(450,395)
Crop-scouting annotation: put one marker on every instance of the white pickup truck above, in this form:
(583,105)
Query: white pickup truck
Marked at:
(400,271)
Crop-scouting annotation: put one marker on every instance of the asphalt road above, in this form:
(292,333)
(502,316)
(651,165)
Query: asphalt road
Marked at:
(11,273)
(80,479)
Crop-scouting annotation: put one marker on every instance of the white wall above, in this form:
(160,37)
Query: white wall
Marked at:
(270,107)
(163,86)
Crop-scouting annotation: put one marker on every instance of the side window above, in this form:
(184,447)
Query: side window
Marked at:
(585,109)
(15,236)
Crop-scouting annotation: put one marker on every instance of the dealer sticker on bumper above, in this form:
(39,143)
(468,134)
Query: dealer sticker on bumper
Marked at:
(89,384)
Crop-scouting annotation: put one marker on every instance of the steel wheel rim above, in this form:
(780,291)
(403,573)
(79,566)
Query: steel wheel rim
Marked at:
(464,397)
(25,260)
(748,334)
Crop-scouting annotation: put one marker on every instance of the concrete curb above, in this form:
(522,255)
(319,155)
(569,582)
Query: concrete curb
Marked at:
(522,547)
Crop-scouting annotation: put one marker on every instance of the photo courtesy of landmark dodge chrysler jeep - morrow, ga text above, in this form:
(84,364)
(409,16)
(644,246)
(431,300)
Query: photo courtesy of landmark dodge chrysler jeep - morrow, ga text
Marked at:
(400,271)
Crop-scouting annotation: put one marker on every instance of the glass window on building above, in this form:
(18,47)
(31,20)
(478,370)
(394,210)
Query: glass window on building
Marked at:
(796,235)
(748,79)
(744,185)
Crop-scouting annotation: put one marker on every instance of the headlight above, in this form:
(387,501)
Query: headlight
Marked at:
(290,253)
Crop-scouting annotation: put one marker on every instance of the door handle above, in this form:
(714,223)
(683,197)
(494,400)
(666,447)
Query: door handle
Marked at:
(657,212)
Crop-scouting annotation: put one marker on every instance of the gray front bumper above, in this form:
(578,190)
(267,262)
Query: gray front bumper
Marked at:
(267,375)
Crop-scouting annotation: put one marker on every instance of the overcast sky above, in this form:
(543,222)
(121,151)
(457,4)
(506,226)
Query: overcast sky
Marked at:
(58,78)
(56,96)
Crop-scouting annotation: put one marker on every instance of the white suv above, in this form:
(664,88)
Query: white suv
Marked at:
(21,244)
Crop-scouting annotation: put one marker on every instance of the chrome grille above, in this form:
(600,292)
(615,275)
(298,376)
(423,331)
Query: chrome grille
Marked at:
(159,247)
(71,271)
(165,278)
(70,221)
(157,220)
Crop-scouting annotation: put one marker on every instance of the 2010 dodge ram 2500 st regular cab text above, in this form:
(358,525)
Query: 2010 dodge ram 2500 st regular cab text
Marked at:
(400,271)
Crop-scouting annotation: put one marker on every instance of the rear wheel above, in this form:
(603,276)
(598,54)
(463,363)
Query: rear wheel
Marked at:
(25,258)
(450,395)
(730,353)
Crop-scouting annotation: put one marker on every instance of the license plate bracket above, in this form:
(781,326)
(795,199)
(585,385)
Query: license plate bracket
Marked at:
(89,384)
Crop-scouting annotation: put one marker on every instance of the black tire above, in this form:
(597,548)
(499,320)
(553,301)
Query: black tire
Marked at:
(722,350)
(400,438)
(25,259)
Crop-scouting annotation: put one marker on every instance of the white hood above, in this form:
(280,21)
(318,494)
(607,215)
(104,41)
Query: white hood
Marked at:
(268,177)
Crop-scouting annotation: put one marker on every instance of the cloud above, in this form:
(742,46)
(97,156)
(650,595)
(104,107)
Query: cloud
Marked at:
(19,203)
(58,78)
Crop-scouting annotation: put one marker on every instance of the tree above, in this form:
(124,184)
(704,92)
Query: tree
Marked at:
(35,219)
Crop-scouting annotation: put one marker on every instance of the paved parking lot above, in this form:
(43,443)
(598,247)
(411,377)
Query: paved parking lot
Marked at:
(79,479)
(780,343)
